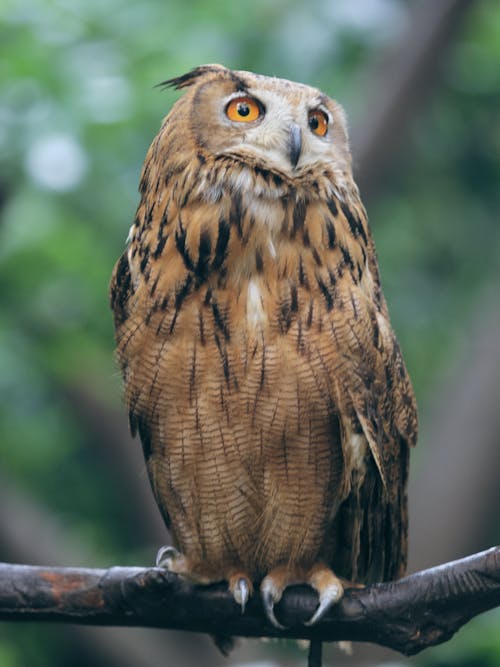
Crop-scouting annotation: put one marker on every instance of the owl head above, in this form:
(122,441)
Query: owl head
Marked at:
(284,127)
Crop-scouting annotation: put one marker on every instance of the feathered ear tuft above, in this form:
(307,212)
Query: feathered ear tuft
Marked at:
(190,77)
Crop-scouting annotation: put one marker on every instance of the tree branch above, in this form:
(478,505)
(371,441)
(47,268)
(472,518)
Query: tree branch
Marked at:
(421,610)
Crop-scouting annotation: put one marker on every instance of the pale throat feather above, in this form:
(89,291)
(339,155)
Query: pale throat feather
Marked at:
(267,216)
(256,315)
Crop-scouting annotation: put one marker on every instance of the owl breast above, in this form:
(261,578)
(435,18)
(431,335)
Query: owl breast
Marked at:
(235,374)
(252,467)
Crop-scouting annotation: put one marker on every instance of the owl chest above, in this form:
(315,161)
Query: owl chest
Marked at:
(259,365)
(241,330)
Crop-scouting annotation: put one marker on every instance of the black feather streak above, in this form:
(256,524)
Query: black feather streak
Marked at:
(259,264)
(332,205)
(333,279)
(208,297)
(149,216)
(294,300)
(221,246)
(121,290)
(224,359)
(204,251)
(299,216)
(144,260)
(355,224)
(325,292)
(330,230)
(347,257)
(236,213)
(180,296)
(180,244)
(154,286)
(302,275)
(264,173)
(285,316)
(159,246)
(360,271)
(316,257)
(310,314)
(221,320)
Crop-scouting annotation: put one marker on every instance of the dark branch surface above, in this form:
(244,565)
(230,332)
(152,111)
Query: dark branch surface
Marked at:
(421,610)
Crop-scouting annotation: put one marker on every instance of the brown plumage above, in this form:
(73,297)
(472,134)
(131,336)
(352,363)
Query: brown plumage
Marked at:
(261,370)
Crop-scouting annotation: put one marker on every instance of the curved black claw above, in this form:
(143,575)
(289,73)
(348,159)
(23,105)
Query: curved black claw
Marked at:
(270,594)
(327,597)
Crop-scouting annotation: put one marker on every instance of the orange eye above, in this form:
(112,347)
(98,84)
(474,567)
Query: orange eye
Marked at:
(318,122)
(243,109)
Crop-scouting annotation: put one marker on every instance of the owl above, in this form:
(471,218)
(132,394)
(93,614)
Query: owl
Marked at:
(261,371)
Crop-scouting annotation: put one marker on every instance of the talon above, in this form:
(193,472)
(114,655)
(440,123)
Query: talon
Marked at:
(328,596)
(166,556)
(270,595)
(241,593)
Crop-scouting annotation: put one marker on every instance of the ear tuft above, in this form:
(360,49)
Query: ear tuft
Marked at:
(191,77)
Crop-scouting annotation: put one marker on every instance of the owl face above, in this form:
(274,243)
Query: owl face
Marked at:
(272,123)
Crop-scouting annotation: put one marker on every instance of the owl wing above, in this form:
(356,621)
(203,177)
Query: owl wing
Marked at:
(122,303)
(127,324)
(378,399)
(120,290)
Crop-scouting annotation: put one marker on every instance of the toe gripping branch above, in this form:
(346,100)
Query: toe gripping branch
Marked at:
(320,577)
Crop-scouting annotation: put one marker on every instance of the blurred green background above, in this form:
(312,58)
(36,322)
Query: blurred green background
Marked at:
(78,109)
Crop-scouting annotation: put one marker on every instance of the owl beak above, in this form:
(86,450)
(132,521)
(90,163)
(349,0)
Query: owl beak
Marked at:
(294,144)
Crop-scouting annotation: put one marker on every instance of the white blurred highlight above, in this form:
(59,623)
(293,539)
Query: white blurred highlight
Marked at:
(56,162)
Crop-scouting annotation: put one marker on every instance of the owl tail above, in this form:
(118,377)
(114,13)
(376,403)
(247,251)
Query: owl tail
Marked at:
(314,658)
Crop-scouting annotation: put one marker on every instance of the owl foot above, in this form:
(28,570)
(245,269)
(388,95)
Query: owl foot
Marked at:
(272,587)
(169,558)
(239,583)
(271,593)
(241,589)
(173,560)
(329,588)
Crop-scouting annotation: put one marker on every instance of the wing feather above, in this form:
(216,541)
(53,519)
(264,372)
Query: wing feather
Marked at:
(375,396)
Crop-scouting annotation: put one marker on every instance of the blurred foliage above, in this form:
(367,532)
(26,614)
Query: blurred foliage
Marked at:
(77,113)
(477,645)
